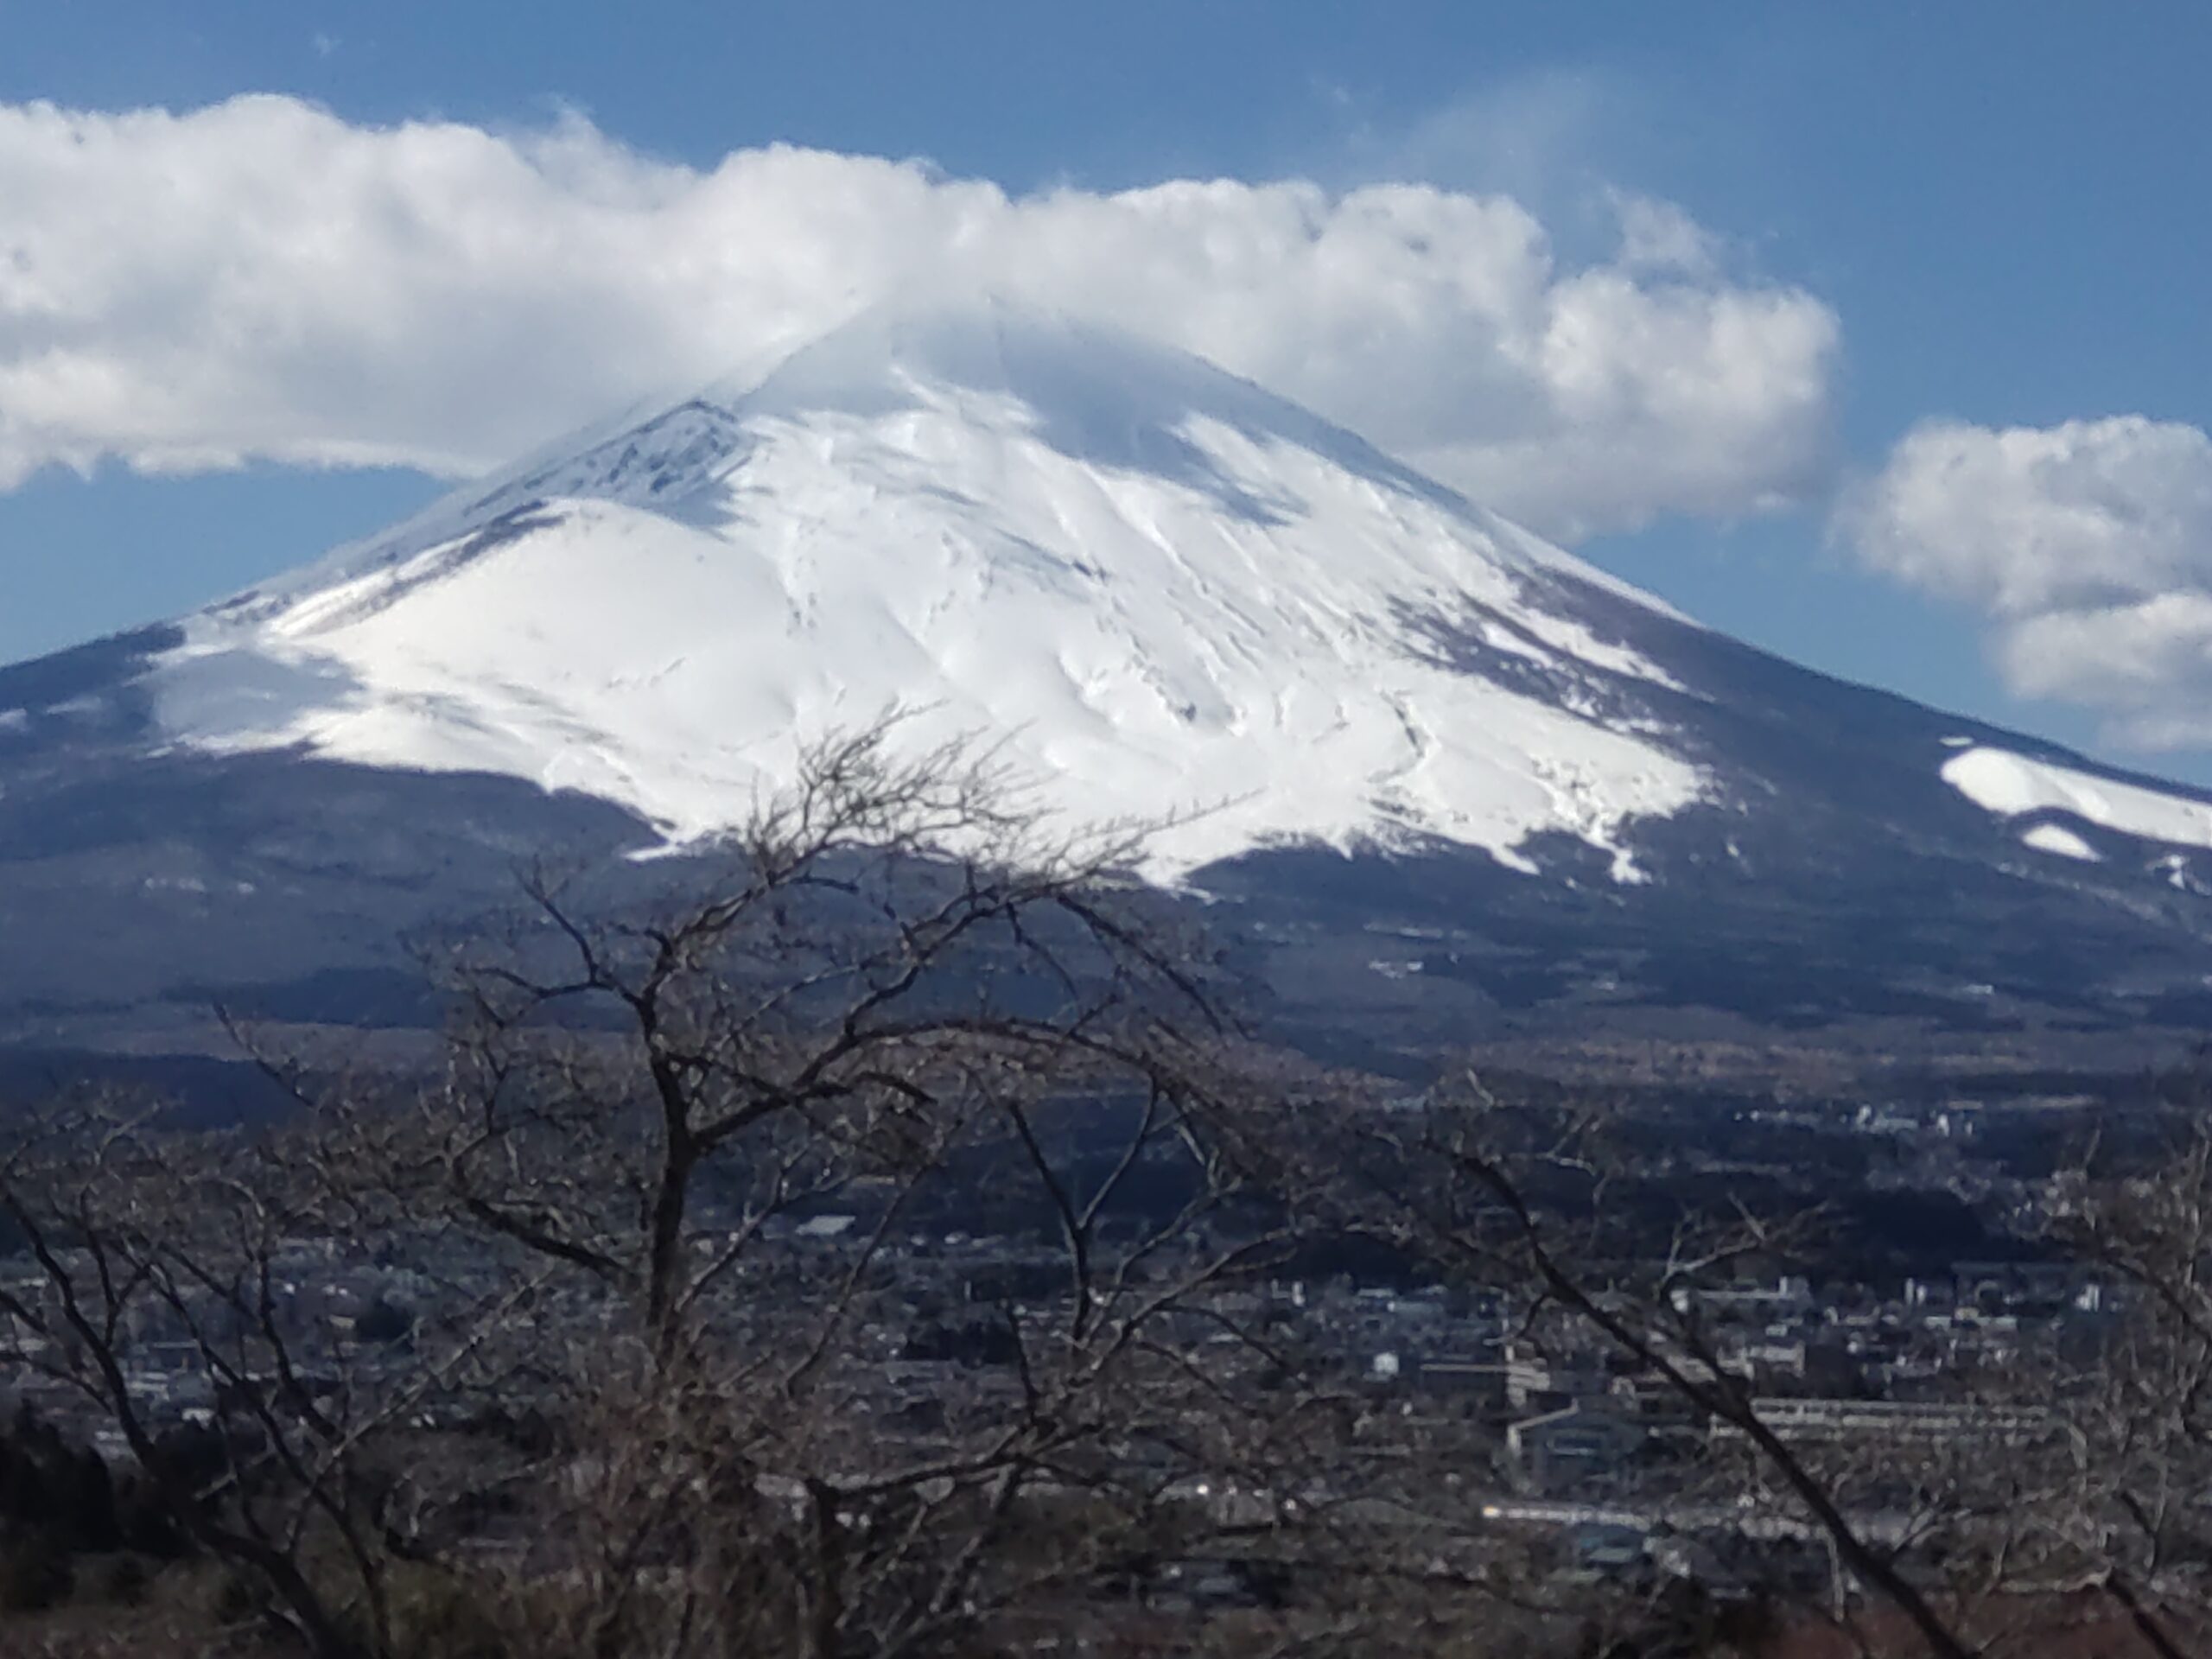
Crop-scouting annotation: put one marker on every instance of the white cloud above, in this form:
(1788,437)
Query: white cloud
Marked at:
(1658,236)
(262,279)
(2089,547)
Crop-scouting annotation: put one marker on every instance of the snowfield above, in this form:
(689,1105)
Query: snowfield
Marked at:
(2009,784)
(1169,593)
(2058,838)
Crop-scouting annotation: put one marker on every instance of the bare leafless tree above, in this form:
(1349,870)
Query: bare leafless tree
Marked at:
(1515,1197)
(671,1175)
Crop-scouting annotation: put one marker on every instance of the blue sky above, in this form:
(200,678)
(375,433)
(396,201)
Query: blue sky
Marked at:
(1999,205)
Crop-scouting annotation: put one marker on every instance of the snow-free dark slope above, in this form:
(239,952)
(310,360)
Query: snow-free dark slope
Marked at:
(1441,768)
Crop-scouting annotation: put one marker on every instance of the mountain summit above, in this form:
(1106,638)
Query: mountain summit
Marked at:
(1369,707)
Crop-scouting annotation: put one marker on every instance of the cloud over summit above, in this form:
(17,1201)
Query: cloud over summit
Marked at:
(262,279)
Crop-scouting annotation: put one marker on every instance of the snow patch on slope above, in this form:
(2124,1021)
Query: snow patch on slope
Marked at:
(2008,784)
(2058,838)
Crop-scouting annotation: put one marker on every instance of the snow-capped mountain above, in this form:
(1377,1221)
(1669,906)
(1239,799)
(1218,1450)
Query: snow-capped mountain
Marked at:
(1367,706)
(1171,594)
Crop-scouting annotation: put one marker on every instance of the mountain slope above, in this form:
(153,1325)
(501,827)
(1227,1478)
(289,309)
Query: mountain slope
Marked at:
(1370,709)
